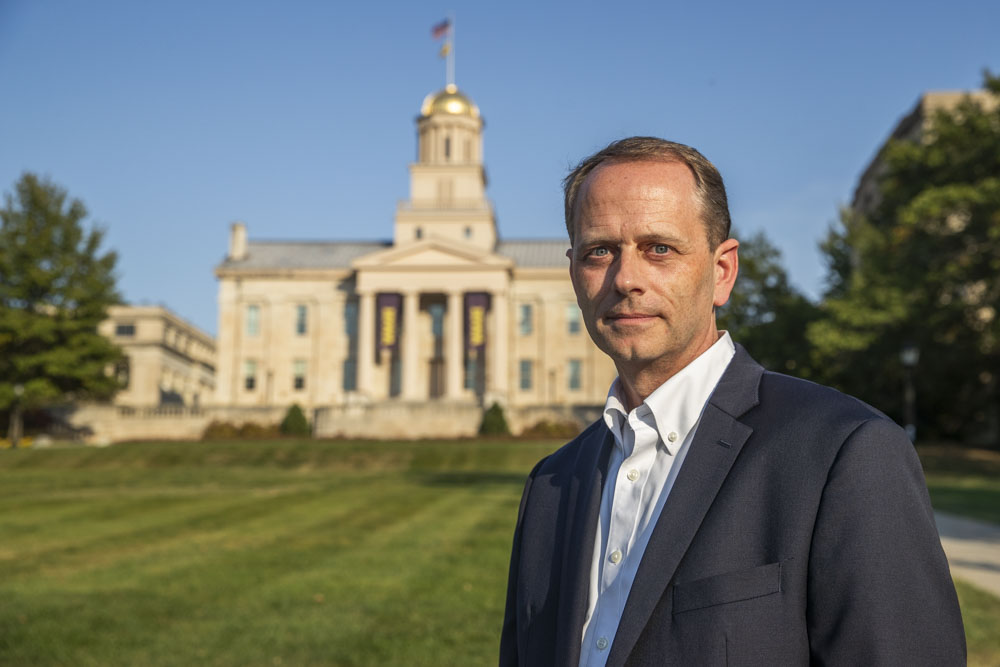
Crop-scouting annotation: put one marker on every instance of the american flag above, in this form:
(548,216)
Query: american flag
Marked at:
(440,29)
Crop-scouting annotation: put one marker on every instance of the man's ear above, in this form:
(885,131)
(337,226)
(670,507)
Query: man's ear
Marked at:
(572,278)
(727,266)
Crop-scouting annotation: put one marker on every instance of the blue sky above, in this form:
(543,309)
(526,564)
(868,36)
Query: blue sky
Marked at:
(171,120)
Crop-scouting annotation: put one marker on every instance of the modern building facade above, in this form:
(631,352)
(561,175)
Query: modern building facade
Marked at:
(911,126)
(446,312)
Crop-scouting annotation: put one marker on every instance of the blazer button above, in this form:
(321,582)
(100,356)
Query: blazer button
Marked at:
(602,643)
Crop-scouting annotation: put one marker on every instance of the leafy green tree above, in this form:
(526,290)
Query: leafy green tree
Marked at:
(295,422)
(55,287)
(923,267)
(765,313)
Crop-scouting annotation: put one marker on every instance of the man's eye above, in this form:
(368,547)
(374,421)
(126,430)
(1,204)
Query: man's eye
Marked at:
(661,249)
(598,252)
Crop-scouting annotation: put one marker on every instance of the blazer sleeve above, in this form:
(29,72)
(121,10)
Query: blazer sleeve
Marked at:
(880,592)
(509,644)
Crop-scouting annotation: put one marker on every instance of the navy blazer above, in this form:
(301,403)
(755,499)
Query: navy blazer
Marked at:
(798,531)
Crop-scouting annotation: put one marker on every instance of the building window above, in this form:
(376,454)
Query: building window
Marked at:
(524,322)
(250,374)
(301,319)
(525,370)
(471,370)
(468,151)
(299,374)
(573,381)
(125,329)
(447,148)
(395,376)
(351,319)
(122,373)
(419,232)
(253,320)
(468,232)
(572,319)
(350,367)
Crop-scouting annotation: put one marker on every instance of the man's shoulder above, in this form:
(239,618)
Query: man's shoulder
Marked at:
(801,406)
(793,392)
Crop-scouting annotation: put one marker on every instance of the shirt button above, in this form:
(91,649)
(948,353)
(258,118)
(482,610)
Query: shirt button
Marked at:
(616,556)
(672,436)
(633,475)
(602,643)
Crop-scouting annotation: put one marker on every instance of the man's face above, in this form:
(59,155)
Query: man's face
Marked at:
(645,277)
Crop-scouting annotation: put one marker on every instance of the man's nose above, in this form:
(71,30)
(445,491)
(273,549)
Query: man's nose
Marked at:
(628,273)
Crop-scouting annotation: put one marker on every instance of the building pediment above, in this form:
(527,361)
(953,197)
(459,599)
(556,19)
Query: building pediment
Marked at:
(438,254)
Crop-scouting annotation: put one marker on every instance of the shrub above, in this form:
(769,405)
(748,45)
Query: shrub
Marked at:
(295,422)
(494,422)
(255,431)
(219,430)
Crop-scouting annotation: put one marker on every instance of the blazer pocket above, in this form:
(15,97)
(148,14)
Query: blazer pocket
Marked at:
(729,587)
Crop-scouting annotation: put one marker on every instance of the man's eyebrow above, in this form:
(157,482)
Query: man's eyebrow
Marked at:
(659,237)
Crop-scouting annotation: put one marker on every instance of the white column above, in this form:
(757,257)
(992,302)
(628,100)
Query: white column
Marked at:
(366,342)
(498,346)
(453,341)
(411,348)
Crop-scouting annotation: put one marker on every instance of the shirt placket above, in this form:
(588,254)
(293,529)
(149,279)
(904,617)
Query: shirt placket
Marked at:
(626,509)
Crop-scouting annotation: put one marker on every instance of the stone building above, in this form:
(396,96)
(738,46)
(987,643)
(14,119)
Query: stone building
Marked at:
(168,361)
(445,314)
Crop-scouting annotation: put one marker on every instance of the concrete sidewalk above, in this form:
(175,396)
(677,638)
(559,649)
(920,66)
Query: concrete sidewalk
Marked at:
(973,549)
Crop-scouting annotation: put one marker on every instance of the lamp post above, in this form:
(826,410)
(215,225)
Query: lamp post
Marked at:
(910,356)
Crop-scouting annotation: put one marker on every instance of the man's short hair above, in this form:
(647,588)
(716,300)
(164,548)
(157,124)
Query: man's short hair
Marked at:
(709,188)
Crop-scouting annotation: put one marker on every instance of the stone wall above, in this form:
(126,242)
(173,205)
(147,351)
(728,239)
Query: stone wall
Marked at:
(103,424)
(99,424)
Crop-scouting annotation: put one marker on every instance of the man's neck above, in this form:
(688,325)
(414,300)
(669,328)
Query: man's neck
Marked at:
(639,380)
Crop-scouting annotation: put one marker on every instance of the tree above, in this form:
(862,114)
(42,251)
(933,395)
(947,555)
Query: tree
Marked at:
(494,422)
(765,313)
(923,267)
(55,288)
(295,422)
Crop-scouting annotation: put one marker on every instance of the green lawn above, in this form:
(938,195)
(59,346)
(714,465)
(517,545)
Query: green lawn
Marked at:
(272,553)
(257,553)
(963,481)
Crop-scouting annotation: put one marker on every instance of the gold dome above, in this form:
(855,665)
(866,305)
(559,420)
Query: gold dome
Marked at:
(449,101)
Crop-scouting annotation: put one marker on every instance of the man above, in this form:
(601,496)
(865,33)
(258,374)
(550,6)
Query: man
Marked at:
(718,513)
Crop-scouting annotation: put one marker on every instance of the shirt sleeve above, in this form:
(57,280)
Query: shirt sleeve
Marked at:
(880,592)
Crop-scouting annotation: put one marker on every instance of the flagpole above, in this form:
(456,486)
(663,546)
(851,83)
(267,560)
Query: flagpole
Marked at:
(450,65)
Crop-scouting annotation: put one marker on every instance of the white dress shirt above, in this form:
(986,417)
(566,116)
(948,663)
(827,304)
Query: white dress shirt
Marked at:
(650,444)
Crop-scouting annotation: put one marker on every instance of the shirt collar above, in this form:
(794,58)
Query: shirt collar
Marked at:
(677,404)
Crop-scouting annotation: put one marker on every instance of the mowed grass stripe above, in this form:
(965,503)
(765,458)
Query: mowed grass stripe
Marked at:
(122,524)
(173,534)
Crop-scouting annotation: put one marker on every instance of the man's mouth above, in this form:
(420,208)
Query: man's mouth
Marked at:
(626,318)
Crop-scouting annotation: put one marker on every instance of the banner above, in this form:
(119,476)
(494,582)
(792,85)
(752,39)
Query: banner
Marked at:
(476,305)
(387,315)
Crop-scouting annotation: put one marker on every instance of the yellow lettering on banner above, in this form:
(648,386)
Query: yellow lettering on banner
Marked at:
(388,325)
(477,316)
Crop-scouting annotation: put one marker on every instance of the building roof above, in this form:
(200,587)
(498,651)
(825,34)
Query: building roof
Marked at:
(303,254)
(526,253)
(535,253)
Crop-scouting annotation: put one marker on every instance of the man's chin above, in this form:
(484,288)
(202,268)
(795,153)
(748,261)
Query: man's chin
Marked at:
(628,352)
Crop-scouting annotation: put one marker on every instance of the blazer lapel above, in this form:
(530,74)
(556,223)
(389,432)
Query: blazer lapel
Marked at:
(716,444)
(578,550)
